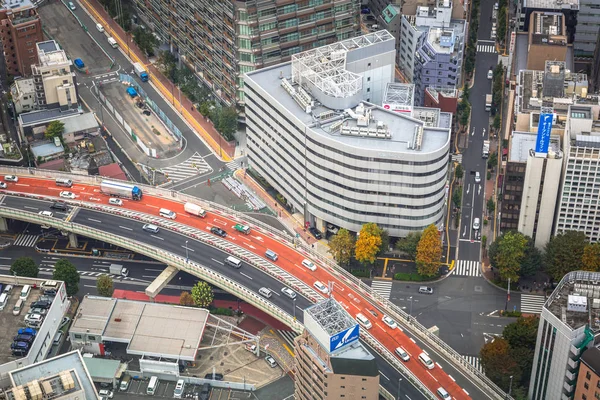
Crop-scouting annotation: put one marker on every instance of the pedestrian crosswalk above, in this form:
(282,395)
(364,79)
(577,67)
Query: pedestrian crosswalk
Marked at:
(195,165)
(467,268)
(383,288)
(288,336)
(532,304)
(236,164)
(474,361)
(26,240)
(486,48)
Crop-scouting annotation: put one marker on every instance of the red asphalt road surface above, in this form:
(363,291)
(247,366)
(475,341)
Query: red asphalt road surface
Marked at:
(289,260)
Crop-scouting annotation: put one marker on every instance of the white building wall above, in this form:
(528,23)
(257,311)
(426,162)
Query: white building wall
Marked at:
(409,36)
(550,194)
(531,189)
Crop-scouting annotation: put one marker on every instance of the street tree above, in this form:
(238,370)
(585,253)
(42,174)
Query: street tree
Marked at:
(167,64)
(464,115)
(408,245)
(226,122)
(507,253)
(24,266)
(341,246)
(499,365)
(429,251)
(375,230)
(497,122)
(367,245)
(457,196)
(564,253)
(491,206)
(532,262)
(459,172)
(522,332)
(202,294)
(105,286)
(65,271)
(591,257)
(54,129)
(186,299)
(145,40)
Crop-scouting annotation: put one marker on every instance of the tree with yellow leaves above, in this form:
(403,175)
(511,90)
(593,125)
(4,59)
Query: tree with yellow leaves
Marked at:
(591,257)
(368,243)
(429,251)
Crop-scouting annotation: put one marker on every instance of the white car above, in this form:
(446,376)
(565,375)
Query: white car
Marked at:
(289,292)
(46,213)
(115,202)
(476,223)
(3,185)
(11,178)
(490,74)
(321,288)
(106,393)
(389,322)
(67,195)
(477,177)
(402,354)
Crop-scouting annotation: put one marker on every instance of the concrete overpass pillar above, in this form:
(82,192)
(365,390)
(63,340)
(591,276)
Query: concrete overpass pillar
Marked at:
(73,242)
(161,281)
(3,224)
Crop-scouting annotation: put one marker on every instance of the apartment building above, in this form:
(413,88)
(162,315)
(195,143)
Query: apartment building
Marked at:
(330,361)
(20,30)
(568,325)
(223,40)
(444,98)
(588,379)
(335,155)
(586,33)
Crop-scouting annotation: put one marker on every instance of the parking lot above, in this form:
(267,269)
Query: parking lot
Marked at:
(10,324)
(137,388)
(63,27)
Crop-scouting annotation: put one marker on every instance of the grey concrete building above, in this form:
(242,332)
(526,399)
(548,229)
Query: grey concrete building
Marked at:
(317,136)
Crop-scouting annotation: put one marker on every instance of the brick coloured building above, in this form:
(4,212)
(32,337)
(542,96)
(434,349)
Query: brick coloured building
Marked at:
(20,30)
(588,381)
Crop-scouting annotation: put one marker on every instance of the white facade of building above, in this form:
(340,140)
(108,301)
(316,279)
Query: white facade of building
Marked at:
(382,167)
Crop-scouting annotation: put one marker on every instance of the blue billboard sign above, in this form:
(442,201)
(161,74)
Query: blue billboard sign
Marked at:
(543,134)
(344,338)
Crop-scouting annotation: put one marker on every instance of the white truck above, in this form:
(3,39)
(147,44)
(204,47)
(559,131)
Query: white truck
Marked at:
(141,72)
(485,152)
(488,102)
(117,269)
(194,209)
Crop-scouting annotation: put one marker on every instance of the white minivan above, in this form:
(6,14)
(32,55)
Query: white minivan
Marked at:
(152,386)
(309,264)
(163,212)
(179,387)
(426,361)
(3,300)
(363,321)
(99,27)
(113,43)
(25,292)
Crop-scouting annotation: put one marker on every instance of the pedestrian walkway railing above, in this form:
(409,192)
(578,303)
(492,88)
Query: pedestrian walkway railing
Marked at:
(471,373)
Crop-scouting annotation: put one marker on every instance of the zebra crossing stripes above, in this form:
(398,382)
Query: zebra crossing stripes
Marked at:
(288,336)
(532,304)
(193,166)
(475,362)
(236,164)
(26,240)
(486,48)
(383,288)
(467,268)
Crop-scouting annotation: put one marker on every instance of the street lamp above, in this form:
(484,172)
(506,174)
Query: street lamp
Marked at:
(509,387)
(410,312)
(187,259)
(399,385)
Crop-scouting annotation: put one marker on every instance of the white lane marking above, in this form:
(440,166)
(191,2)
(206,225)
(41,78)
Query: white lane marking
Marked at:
(217,221)
(147,205)
(247,276)
(381,327)
(299,308)
(187,248)
(92,286)
(413,340)
(452,378)
(218,262)
(5,258)
(157,237)
(432,376)
(153,269)
(150,276)
(274,291)
(94,220)
(424,351)
(384,376)
(466,392)
(439,366)
(21,184)
(31,208)
(124,227)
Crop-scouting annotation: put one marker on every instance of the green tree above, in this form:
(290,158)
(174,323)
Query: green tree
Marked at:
(341,246)
(498,362)
(497,122)
(429,251)
(591,257)
(457,196)
(24,266)
(54,129)
(105,286)
(225,121)
(167,64)
(464,115)
(205,108)
(459,172)
(522,333)
(186,299)
(564,253)
(368,244)
(501,32)
(532,262)
(408,245)
(491,206)
(507,254)
(65,271)
(493,160)
(202,294)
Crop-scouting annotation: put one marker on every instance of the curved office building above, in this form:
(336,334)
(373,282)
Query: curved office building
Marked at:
(315,134)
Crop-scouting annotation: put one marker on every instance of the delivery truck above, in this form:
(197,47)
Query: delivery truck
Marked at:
(121,189)
(485,152)
(117,269)
(242,228)
(488,102)
(132,92)
(141,72)
(194,209)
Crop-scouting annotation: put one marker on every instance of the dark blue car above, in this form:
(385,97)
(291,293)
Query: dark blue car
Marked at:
(20,345)
(27,331)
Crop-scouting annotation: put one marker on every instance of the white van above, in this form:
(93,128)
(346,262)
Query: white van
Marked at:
(443,394)
(99,27)
(271,255)
(164,212)
(112,42)
(152,386)
(25,292)
(179,387)
(64,182)
(265,292)
(426,361)
(234,262)
(363,321)
(18,307)
(309,264)
(3,300)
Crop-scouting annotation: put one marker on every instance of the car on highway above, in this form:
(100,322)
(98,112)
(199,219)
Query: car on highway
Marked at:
(309,264)
(400,352)
(316,233)
(11,178)
(45,213)
(3,185)
(150,228)
(425,290)
(59,206)
(477,177)
(490,74)
(115,202)
(321,288)
(67,195)
(218,231)
(389,322)
(476,223)
(443,394)
(288,292)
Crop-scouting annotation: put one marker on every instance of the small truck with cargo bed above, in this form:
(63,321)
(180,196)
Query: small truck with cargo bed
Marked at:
(117,269)
(141,72)
(242,228)
(194,209)
(488,102)
(485,152)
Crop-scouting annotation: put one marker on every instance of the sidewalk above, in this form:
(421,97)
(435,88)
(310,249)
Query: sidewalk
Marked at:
(169,91)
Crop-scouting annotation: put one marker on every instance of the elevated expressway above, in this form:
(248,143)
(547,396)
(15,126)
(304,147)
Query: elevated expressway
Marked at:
(187,244)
